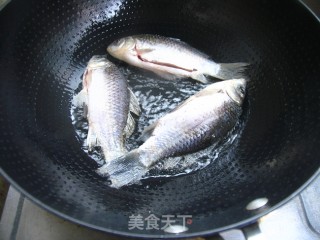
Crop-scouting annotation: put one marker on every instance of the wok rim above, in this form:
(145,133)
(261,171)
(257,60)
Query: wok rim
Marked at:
(211,232)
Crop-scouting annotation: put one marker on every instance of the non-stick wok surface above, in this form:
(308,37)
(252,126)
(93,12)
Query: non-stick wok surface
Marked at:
(44,48)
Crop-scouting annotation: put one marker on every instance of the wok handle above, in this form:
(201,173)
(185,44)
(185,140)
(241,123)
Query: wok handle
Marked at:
(253,232)
(250,232)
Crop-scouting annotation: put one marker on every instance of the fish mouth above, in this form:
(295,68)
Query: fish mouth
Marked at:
(162,63)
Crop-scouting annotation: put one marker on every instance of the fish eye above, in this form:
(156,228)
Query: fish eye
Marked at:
(241,90)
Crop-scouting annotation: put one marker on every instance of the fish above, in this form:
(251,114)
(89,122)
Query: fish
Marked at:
(110,105)
(203,119)
(172,58)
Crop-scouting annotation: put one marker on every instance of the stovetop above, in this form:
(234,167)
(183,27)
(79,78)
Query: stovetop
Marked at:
(297,220)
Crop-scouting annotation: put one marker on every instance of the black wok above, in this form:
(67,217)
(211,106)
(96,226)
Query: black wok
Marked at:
(44,47)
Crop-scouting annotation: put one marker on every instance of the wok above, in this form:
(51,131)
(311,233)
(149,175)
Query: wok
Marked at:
(44,48)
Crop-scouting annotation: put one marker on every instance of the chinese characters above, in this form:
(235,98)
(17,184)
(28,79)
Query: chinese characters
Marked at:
(158,223)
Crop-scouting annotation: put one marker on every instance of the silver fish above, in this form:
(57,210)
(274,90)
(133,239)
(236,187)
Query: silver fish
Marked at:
(171,58)
(109,102)
(202,119)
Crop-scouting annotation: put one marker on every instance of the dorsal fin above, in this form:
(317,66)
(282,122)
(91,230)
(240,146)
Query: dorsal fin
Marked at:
(147,132)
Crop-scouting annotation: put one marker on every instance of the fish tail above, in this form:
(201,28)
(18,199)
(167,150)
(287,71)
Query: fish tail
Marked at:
(125,170)
(231,70)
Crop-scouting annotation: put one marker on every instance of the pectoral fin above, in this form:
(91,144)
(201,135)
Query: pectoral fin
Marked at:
(144,50)
(129,129)
(134,104)
(199,76)
(166,75)
(133,108)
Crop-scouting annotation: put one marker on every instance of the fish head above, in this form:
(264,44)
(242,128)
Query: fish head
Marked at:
(236,89)
(95,62)
(98,61)
(122,48)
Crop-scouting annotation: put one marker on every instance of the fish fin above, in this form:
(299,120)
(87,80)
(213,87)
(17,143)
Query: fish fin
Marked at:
(134,108)
(144,50)
(175,39)
(202,93)
(147,132)
(85,111)
(166,75)
(92,139)
(199,76)
(125,170)
(129,129)
(80,99)
(134,104)
(199,94)
(231,70)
